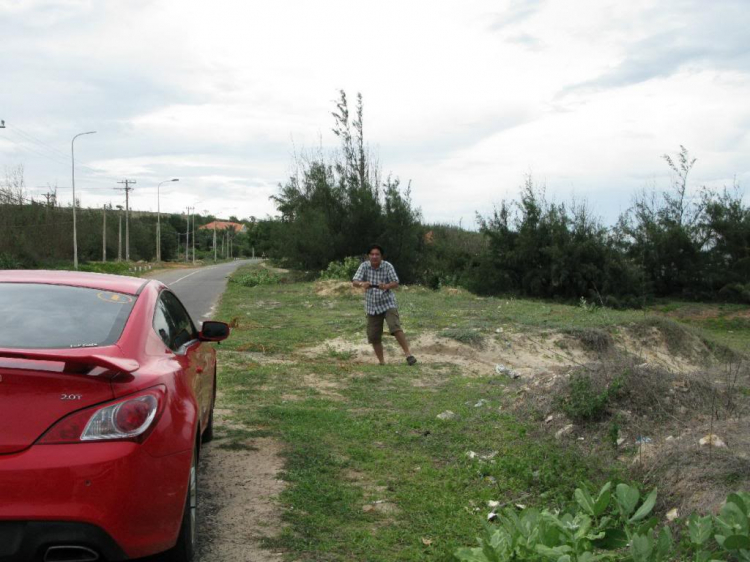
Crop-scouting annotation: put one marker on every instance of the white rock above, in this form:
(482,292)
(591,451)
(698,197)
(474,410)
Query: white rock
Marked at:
(549,418)
(672,514)
(471,454)
(568,429)
(620,441)
(713,440)
(447,415)
(493,503)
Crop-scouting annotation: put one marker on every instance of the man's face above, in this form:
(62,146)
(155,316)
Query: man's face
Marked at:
(375,257)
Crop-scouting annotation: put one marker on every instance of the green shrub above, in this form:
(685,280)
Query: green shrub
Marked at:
(9,262)
(464,335)
(612,525)
(255,278)
(585,402)
(343,270)
(115,268)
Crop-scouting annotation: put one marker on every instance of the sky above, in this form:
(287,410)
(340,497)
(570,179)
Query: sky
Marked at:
(463,99)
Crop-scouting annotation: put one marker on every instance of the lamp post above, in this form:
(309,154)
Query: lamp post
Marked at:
(158,219)
(73,178)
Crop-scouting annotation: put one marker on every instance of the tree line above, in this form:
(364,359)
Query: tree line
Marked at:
(667,244)
(37,234)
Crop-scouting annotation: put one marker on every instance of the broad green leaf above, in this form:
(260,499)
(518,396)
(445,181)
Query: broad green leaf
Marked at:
(602,500)
(565,558)
(664,544)
(645,526)
(614,539)
(585,500)
(470,555)
(627,498)
(733,517)
(739,501)
(646,507)
(699,528)
(553,553)
(641,548)
(737,542)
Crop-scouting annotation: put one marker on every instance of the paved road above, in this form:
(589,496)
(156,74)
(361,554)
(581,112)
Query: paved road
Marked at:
(199,288)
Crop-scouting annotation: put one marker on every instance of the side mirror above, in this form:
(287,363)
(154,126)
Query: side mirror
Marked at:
(214,331)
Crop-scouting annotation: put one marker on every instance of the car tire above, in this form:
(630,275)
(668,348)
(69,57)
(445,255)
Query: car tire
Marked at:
(184,550)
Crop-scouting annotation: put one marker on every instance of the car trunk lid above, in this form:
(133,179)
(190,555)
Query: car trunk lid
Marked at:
(38,388)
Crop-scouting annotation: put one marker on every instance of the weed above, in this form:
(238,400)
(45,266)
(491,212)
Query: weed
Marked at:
(343,270)
(584,402)
(592,339)
(256,277)
(464,335)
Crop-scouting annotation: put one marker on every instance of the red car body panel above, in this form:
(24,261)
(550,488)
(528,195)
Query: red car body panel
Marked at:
(134,491)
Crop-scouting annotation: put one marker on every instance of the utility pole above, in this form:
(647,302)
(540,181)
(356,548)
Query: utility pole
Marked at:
(193,235)
(104,233)
(214,241)
(127,189)
(119,235)
(187,237)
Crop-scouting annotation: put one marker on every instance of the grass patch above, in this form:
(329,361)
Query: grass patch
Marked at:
(371,470)
(464,335)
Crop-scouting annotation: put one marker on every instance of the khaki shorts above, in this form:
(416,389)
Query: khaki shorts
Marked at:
(375,324)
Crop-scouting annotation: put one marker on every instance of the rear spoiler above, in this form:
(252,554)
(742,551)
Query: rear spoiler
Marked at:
(80,361)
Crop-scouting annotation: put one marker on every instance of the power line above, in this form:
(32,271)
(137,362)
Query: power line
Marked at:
(56,154)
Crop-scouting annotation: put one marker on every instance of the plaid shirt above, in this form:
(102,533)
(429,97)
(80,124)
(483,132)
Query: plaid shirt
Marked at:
(376,300)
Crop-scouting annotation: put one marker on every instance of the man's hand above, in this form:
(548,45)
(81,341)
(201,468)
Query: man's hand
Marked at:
(383,286)
(364,284)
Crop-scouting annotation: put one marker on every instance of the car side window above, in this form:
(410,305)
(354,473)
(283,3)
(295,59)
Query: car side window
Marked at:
(163,323)
(172,322)
(183,328)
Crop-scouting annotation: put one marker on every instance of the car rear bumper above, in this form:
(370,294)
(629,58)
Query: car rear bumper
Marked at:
(132,497)
(30,541)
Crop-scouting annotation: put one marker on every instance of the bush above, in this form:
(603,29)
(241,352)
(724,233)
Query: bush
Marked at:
(257,277)
(115,268)
(584,402)
(343,270)
(735,292)
(612,525)
(9,262)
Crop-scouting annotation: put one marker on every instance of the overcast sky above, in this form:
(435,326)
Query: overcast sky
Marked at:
(463,98)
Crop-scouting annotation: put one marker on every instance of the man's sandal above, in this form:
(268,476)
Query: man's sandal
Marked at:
(411,360)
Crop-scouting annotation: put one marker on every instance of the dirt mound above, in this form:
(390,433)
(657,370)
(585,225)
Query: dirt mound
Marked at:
(651,420)
(334,288)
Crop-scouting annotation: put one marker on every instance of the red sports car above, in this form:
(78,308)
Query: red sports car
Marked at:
(106,394)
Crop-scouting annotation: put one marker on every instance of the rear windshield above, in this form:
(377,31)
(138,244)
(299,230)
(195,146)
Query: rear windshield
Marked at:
(39,316)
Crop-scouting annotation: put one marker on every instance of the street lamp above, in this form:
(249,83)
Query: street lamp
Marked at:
(73,177)
(158,220)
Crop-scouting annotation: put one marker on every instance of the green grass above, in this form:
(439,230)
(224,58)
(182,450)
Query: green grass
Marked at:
(356,434)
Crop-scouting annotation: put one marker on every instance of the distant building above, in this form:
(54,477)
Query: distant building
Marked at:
(223,225)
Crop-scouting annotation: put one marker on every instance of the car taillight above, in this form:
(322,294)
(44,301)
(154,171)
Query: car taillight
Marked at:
(130,418)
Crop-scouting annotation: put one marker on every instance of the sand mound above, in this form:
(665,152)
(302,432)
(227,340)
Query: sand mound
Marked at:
(334,288)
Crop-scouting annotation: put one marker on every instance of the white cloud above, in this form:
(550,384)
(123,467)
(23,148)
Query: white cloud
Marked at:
(462,98)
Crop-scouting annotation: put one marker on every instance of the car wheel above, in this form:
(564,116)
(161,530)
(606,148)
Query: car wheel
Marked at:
(184,550)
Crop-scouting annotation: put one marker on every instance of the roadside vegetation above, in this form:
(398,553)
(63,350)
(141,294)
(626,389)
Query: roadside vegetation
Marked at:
(518,411)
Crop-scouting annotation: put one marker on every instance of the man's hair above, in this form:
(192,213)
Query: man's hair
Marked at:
(372,247)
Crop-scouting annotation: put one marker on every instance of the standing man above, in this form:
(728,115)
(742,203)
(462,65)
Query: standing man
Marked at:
(378,278)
